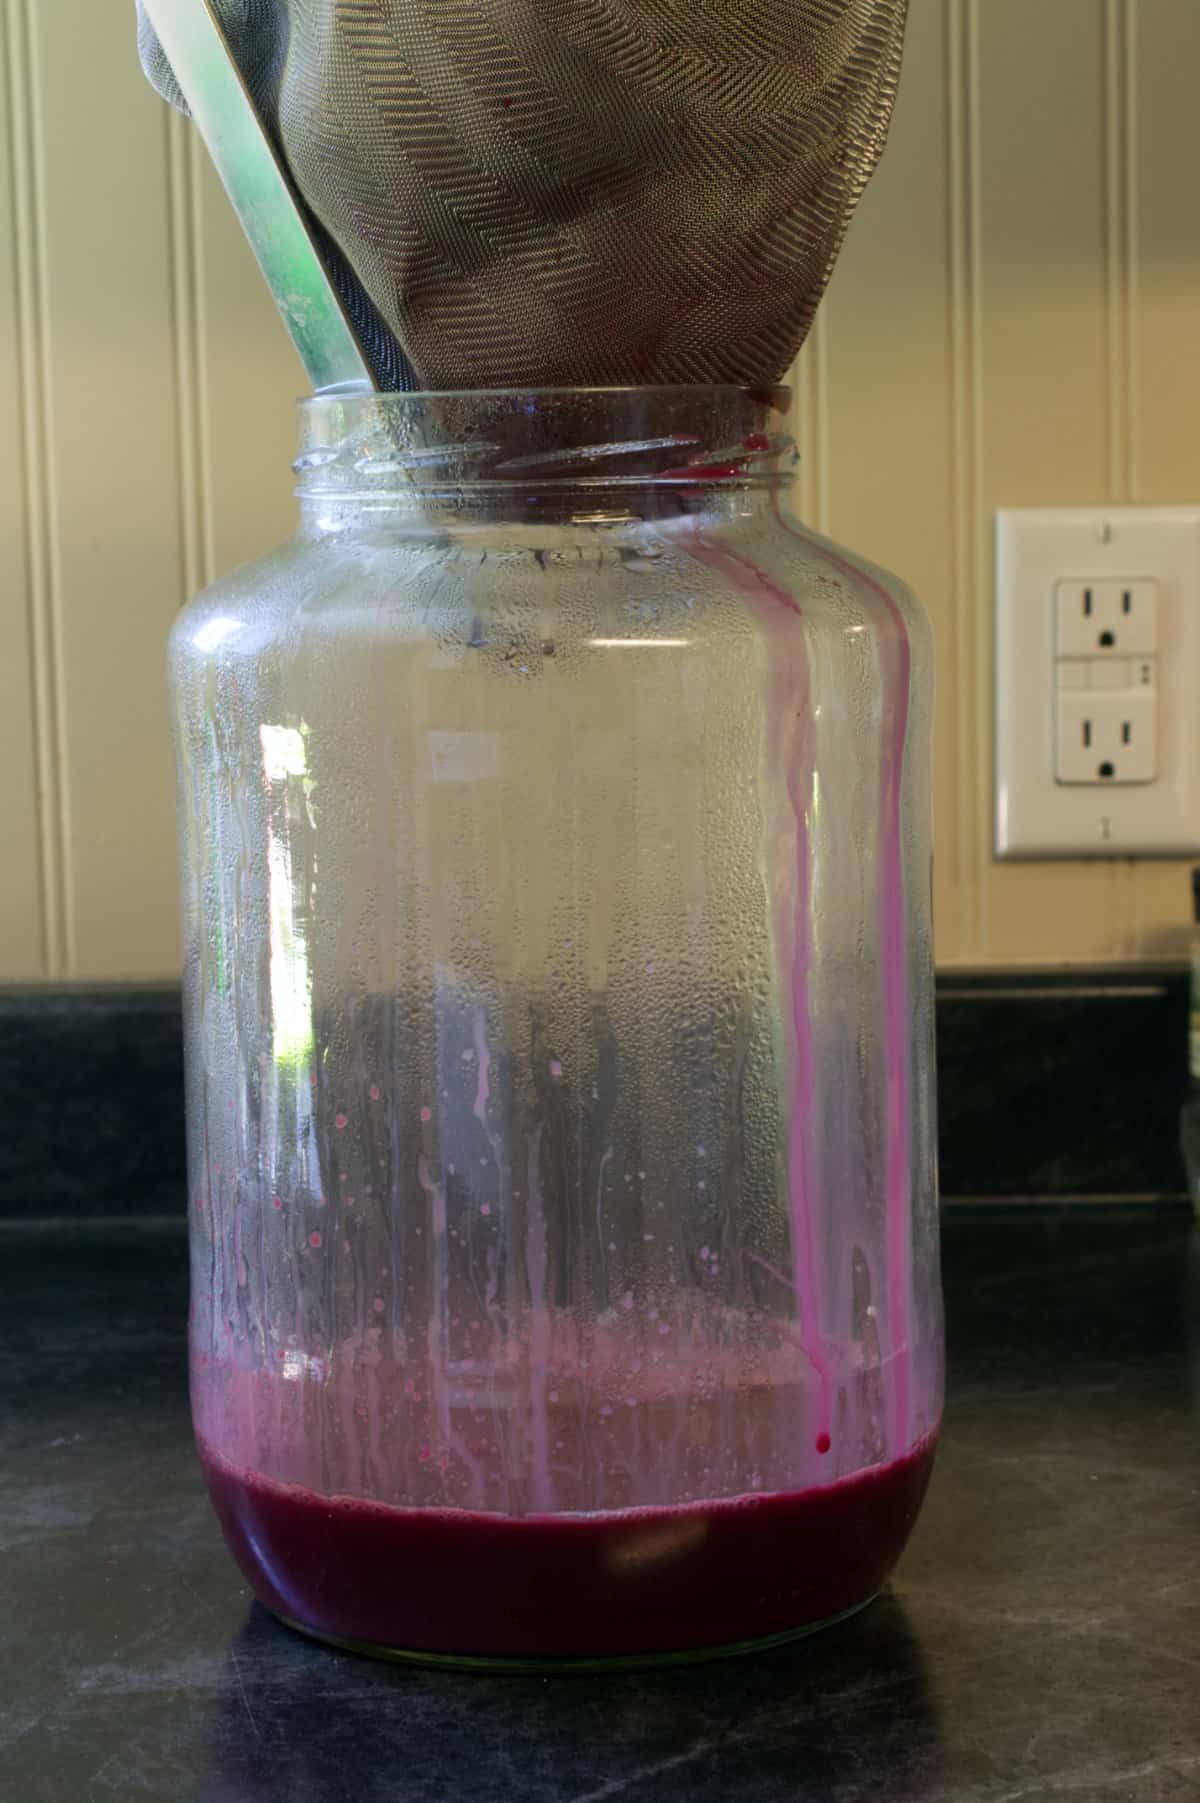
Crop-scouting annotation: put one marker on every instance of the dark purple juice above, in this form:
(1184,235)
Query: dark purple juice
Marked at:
(627,1582)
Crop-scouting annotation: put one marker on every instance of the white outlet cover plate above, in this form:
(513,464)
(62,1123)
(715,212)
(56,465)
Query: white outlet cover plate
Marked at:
(1036,816)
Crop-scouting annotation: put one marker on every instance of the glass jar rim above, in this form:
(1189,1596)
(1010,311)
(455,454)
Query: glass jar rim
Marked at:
(774,394)
(673,435)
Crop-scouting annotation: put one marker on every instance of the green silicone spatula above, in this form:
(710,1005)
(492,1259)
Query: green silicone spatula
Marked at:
(262,194)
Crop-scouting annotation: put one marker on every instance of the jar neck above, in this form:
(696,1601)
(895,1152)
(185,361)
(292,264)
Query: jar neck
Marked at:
(588,456)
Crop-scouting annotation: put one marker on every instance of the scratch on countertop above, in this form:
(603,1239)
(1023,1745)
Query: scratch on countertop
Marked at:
(615,1786)
(1094,1780)
(237,1666)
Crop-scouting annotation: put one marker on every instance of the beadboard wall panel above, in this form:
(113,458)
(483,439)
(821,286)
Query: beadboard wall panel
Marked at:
(1013,322)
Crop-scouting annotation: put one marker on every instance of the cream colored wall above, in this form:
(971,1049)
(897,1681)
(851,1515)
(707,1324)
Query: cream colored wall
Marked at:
(1014,321)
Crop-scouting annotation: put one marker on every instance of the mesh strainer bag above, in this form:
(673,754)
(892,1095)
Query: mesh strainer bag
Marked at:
(570,192)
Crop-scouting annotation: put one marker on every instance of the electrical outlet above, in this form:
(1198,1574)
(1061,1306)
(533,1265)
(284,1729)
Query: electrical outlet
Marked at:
(1098,618)
(1098,682)
(1106,738)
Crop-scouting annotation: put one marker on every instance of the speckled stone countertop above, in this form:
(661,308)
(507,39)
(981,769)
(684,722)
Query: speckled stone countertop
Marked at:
(1040,1640)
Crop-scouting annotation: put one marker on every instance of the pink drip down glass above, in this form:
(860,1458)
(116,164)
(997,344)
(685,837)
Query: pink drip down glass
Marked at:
(554,822)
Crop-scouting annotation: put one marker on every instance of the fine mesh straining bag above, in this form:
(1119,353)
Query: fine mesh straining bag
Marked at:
(551,192)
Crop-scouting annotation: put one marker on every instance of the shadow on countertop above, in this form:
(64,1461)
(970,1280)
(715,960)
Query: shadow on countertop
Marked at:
(294,1719)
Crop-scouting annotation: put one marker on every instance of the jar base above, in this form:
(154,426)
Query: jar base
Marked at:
(564,1665)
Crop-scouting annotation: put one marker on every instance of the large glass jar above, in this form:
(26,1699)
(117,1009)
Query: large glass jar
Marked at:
(555,845)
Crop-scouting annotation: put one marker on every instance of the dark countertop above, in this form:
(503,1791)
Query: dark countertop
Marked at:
(1040,1640)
